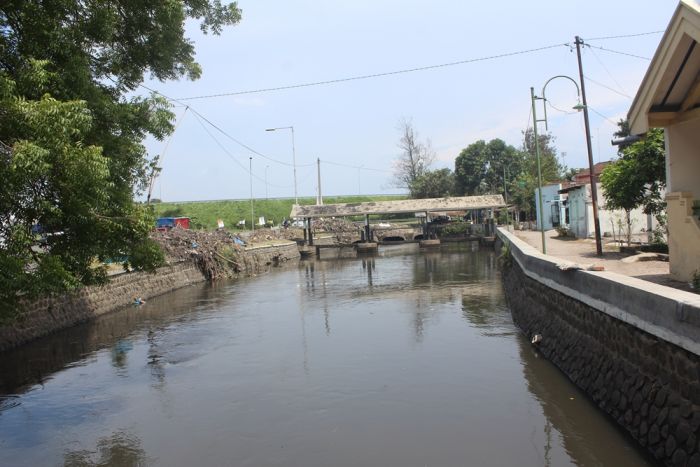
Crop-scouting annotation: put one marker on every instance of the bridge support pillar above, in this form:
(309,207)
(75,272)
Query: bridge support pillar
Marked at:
(311,231)
(368,237)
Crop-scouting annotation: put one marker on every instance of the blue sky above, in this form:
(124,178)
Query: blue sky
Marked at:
(354,123)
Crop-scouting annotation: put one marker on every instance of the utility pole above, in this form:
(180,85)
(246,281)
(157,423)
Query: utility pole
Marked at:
(319,199)
(266,167)
(594,188)
(252,213)
(539,168)
(359,177)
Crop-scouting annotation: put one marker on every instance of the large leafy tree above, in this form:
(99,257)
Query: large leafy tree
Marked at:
(523,188)
(71,152)
(637,178)
(433,184)
(485,167)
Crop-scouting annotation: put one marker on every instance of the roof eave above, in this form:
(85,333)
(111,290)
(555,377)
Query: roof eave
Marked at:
(638,113)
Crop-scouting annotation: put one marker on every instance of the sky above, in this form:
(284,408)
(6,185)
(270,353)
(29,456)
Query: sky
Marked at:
(352,126)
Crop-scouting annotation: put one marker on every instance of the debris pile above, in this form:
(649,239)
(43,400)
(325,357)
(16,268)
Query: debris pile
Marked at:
(263,235)
(334,226)
(217,253)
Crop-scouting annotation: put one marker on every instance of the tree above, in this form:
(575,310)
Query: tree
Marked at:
(484,167)
(71,152)
(416,157)
(637,178)
(523,193)
(433,184)
(551,169)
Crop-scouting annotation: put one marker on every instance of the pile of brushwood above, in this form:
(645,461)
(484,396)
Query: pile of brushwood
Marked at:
(265,235)
(344,230)
(217,253)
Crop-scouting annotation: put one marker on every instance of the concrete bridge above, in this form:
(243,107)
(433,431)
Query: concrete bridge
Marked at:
(409,206)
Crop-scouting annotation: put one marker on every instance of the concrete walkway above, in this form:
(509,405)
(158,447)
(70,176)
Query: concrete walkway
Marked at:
(583,251)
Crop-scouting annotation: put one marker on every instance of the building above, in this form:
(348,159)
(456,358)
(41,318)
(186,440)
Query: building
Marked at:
(553,206)
(579,207)
(669,98)
(583,175)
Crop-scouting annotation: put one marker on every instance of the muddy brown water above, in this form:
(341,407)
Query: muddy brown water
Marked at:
(406,359)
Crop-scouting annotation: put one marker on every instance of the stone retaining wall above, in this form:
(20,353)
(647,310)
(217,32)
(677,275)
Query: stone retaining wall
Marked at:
(53,313)
(636,367)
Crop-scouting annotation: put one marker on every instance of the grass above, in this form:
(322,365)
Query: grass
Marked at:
(204,214)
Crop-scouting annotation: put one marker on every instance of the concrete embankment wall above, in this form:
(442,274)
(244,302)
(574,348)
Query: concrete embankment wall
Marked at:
(631,345)
(51,314)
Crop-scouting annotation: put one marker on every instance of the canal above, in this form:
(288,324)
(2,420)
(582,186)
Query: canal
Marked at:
(406,359)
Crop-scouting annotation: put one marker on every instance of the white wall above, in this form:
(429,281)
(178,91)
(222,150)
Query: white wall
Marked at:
(581,215)
(550,194)
(683,156)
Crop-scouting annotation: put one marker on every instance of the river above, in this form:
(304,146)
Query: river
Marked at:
(405,359)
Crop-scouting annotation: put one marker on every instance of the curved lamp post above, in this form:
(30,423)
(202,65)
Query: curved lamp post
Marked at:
(294,158)
(594,192)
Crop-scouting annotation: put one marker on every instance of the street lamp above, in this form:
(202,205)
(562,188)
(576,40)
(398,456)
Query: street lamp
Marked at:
(581,94)
(266,167)
(533,98)
(294,158)
(252,212)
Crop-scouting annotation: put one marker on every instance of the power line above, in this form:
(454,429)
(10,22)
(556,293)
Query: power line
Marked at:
(624,36)
(619,86)
(226,151)
(603,116)
(588,78)
(373,75)
(242,144)
(220,130)
(618,52)
(340,164)
(567,112)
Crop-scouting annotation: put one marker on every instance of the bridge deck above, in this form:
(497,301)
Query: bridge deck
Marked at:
(461,203)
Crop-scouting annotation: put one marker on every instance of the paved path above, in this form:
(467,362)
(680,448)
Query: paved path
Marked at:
(583,251)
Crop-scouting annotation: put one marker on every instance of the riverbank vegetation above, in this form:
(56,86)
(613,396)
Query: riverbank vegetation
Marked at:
(482,168)
(71,133)
(204,214)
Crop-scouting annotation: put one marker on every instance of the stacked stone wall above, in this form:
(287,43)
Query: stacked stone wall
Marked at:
(50,314)
(650,386)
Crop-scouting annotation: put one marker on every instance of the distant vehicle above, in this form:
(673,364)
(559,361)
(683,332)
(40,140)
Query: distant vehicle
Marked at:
(167,223)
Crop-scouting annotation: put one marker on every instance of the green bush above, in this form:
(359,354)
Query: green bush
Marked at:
(453,229)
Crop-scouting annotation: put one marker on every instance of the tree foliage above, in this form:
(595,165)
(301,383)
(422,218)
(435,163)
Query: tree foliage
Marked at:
(433,184)
(483,167)
(523,189)
(638,177)
(416,156)
(71,152)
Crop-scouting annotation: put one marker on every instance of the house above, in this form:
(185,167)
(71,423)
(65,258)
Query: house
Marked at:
(582,176)
(553,206)
(669,98)
(579,208)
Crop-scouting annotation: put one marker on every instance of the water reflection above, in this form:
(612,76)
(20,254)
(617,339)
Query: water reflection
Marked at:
(119,449)
(399,359)
(33,364)
(586,435)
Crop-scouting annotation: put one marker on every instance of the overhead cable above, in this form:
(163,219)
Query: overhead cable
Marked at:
(623,36)
(373,75)
(618,52)
(588,78)
(220,130)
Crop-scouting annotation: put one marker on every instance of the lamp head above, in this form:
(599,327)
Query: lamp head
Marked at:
(579,107)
